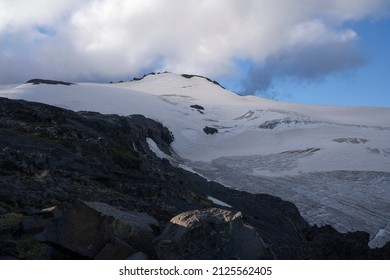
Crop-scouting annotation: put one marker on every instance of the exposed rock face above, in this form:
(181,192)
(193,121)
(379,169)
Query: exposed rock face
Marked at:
(55,155)
(189,76)
(210,130)
(56,160)
(48,82)
(198,107)
(211,234)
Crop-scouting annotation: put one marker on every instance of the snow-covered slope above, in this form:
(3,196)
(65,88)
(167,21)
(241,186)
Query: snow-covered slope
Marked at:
(333,162)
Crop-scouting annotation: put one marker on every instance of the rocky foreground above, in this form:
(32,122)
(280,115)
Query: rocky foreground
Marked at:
(87,186)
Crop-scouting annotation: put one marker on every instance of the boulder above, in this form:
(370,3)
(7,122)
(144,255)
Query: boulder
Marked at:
(87,228)
(210,234)
(210,130)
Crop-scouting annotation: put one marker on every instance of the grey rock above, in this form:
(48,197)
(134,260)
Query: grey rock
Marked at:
(3,211)
(210,234)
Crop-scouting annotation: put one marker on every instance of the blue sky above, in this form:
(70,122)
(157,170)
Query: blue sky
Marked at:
(367,85)
(319,52)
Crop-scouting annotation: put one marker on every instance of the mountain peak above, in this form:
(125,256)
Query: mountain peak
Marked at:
(187,76)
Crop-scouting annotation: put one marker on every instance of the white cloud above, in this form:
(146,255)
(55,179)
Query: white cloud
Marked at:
(104,39)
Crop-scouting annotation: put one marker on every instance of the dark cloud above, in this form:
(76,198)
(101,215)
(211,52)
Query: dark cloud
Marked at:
(305,63)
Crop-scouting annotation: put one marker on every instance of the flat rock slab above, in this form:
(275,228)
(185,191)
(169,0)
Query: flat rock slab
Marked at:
(88,227)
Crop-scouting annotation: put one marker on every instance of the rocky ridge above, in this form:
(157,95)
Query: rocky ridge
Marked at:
(82,185)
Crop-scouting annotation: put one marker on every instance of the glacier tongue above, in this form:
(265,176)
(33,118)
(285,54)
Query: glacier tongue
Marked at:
(348,200)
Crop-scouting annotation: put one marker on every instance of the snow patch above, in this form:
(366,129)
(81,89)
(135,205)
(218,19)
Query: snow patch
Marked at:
(218,202)
(155,149)
(189,169)
(381,238)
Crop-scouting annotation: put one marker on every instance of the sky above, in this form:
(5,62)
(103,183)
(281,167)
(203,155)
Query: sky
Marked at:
(332,52)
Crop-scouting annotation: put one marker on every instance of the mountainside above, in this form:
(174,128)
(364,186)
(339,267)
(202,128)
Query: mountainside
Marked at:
(332,162)
(86,185)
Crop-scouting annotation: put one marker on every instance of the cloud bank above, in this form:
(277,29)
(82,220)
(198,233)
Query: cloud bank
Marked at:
(108,39)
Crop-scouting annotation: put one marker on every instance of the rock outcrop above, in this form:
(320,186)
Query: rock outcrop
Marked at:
(211,234)
(210,130)
(189,76)
(48,82)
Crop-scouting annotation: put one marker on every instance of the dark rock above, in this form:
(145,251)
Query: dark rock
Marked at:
(48,82)
(86,227)
(145,75)
(116,249)
(139,256)
(335,245)
(210,130)
(34,224)
(210,234)
(188,76)
(3,211)
(8,250)
(198,107)
(10,223)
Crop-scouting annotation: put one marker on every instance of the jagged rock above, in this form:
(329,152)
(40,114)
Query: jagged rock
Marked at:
(198,107)
(48,82)
(210,130)
(210,234)
(86,227)
(115,249)
(145,75)
(189,76)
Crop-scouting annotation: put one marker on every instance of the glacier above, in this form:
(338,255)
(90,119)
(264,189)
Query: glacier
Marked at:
(332,162)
